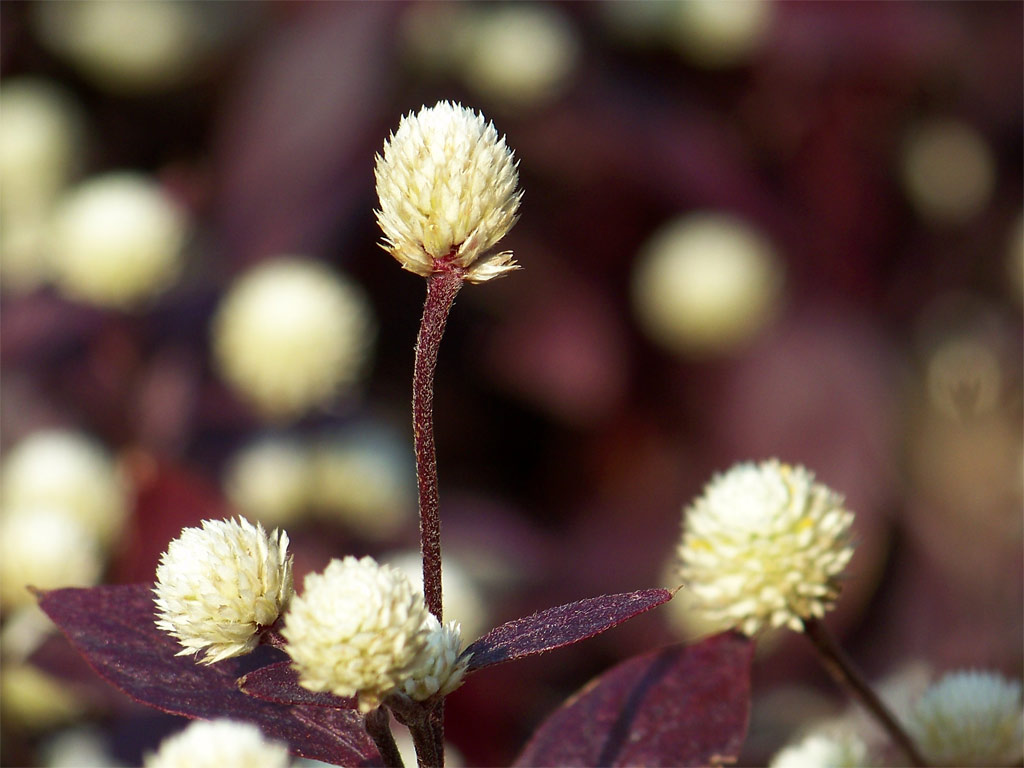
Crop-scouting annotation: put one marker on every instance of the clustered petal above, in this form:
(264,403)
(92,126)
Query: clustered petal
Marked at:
(764,547)
(218,586)
(360,629)
(970,717)
(448,193)
(219,743)
(443,670)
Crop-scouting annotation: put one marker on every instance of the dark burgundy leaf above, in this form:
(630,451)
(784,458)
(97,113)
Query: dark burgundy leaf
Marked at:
(680,706)
(279,683)
(113,628)
(561,626)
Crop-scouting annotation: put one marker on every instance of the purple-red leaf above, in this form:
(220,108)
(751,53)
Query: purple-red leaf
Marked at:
(113,628)
(279,683)
(680,706)
(561,626)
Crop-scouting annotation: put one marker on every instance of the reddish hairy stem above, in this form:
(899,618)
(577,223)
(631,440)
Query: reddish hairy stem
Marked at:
(843,671)
(441,291)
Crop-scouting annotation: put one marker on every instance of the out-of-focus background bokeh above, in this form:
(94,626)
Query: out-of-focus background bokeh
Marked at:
(750,230)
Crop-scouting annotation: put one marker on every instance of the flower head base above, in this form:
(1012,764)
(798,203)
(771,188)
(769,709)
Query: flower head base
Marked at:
(448,193)
(764,546)
(218,586)
(219,744)
(360,629)
(970,718)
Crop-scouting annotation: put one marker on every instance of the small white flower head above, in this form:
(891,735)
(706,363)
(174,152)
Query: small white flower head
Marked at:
(448,193)
(707,282)
(363,478)
(116,240)
(290,334)
(269,480)
(970,717)
(442,671)
(716,35)
(220,743)
(822,750)
(359,629)
(70,473)
(764,546)
(45,548)
(218,586)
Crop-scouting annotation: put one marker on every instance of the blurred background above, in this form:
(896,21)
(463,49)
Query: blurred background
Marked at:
(750,230)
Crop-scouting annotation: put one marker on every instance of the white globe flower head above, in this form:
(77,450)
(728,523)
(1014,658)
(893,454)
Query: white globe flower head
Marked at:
(269,480)
(116,240)
(220,743)
(463,597)
(970,718)
(717,35)
(45,548)
(823,750)
(448,193)
(290,334)
(68,472)
(218,587)
(764,546)
(443,670)
(360,629)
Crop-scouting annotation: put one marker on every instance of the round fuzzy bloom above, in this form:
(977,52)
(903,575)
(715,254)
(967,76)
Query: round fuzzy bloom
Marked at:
(970,718)
(70,473)
(706,282)
(764,547)
(43,547)
(447,188)
(819,750)
(713,34)
(359,629)
(443,670)
(269,480)
(219,743)
(290,333)
(219,585)
(116,240)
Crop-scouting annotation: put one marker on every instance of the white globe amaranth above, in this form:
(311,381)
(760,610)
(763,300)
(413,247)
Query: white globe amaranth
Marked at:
(269,480)
(824,750)
(69,472)
(116,240)
(291,334)
(45,548)
(713,34)
(361,630)
(219,743)
(969,718)
(448,193)
(764,546)
(706,282)
(443,670)
(218,586)
(464,598)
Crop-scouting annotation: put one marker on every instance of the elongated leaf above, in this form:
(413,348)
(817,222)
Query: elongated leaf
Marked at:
(113,628)
(560,626)
(680,706)
(279,683)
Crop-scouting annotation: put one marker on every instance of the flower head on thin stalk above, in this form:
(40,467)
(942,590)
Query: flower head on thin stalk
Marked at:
(448,193)
(360,629)
(764,547)
(970,717)
(219,585)
(219,743)
(442,670)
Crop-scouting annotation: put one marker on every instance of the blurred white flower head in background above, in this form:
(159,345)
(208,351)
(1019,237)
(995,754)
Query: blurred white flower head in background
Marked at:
(219,585)
(269,480)
(291,334)
(116,240)
(448,193)
(219,743)
(706,282)
(823,750)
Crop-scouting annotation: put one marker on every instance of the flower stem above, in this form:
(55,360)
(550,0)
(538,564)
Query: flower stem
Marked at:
(843,671)
(442,288)
(379,728)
